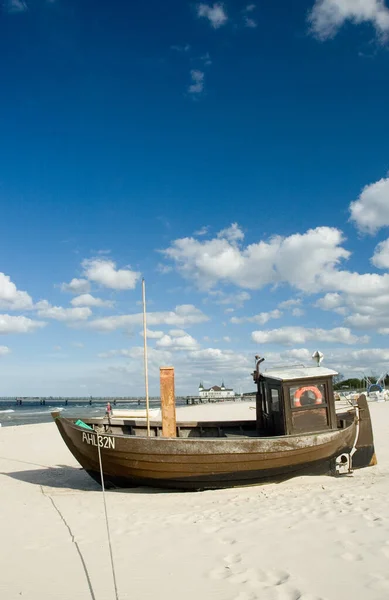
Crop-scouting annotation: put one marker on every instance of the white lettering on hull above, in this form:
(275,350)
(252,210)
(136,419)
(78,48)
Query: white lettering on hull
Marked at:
(103,440)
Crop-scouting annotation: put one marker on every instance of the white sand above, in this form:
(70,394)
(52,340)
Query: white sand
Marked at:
(306,539)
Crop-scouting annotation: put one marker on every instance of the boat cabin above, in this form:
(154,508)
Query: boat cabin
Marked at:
(294,400)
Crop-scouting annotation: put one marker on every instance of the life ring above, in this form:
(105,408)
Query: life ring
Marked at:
(308,388)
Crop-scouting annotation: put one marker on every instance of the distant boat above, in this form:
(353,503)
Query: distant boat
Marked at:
(296,431)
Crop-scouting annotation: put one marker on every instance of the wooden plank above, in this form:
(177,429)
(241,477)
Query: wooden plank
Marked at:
(168,406)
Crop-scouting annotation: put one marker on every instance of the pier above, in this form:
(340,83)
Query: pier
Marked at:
(51,401)
(190,400)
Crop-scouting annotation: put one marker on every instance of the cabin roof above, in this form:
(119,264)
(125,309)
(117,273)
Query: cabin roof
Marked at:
(290,373)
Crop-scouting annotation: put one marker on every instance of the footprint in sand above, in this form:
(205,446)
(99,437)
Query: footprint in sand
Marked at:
(212,529)
(228,541)
(258,584)
(372,518)
(273,578)
(271,594)
(351,556)
(220,573)
(232,559)
(242,576)
(385,551)
(286,593)
(237,574)
(380,583)
(246,596)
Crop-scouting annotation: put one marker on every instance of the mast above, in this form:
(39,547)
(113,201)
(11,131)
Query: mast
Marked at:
(145,356)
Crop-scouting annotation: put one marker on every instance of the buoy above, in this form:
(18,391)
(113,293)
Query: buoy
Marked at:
(309,388)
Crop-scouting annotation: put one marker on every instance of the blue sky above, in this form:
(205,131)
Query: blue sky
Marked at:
(234,154)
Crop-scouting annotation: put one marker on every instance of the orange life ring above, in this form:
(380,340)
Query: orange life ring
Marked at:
(308,388)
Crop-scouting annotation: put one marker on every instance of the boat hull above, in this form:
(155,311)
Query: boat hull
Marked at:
(203,463)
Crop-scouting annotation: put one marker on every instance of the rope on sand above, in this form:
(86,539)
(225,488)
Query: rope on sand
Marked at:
(106,519)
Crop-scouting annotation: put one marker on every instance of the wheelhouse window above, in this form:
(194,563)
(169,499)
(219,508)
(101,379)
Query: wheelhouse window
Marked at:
(275,399)
(265,399)
(307,395)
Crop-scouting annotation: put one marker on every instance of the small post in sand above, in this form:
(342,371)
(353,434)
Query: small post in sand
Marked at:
(168,406)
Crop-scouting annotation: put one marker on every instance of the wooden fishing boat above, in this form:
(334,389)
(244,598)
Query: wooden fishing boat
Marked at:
(296,431)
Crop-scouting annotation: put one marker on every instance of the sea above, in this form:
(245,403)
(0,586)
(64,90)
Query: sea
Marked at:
(31,412)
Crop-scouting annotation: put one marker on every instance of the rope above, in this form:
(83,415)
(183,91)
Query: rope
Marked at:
(106,519)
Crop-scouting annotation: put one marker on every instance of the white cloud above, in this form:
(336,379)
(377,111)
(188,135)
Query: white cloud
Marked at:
(365,301)
(57,348)
(380,258)
(4,350)
(58,313)
(210,365)
(215,14)
(250,23)
(297,312)
(182,316)
(89,300)
(77,344)
(197,85)
(302,260)
(331,301)
(111,353)
(76,286)
(104,271)
(358,362)
(185,48)
(152,334)
(250,8)
(15,6)
(328,16)
(290,303)
(356,284)
(164,269)
(232,233)
(206,59)
(301,354)
(363,320)
(307,262)
(19,324)
(371,211)
(347,361)
(209,361)
(227,339)
(203,230)
(237,299)
(10,297)
(178,343)
(365,297)
(135,366)
(301,335)
(177,333)
(261,318)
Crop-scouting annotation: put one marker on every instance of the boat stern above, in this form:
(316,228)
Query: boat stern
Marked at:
(365,455)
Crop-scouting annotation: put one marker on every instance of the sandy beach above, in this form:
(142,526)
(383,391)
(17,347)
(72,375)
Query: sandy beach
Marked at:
(309,538)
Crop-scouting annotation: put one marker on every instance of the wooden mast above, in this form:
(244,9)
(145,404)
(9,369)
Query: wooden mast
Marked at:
(145,356)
